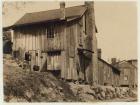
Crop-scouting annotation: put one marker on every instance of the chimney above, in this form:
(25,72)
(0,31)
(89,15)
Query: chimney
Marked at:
(62,9)
(91,34)
(99,53)
(113,61)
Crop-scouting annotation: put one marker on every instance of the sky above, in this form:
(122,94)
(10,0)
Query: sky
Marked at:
(116,23)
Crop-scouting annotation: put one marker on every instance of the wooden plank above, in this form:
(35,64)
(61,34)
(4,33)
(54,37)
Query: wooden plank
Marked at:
(22,45)
(67,52)
(27,40)
(59,39)
(33,41)
(75,51)
(63,63)
(43,66)
(33,59)
(72,41)
(60,31)
(43,39)
(30,41)
(39,37)
(65,59)
(49,66)
(71,68)
(76,54)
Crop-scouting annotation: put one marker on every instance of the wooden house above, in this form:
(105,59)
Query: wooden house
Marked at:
(107,74)
(61,41)
(128,75)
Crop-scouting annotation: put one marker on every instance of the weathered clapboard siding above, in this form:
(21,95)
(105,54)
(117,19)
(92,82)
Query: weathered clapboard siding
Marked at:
(54,60)
(128,71)
(35,40)
(71,32)
(115,77)
(63,52)
(107,74)
(104,74)
(32,37)
(82,61)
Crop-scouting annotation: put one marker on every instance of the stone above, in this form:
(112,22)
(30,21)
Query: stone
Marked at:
(53,95)
(99,96)
(102,94)
(86,97)
(13,99)
(93,87)
(29,93)
(102,88)
(132,93)
(92,93)
(49,90)
(80,90)
(114,95)
(59,88)
(52,83)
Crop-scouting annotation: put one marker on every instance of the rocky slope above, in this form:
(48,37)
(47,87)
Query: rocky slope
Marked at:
(21,85)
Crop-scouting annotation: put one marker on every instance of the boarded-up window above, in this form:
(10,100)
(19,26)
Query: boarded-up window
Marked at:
(54,60)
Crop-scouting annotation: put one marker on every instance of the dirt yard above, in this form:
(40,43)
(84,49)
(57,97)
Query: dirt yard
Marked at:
(21,85)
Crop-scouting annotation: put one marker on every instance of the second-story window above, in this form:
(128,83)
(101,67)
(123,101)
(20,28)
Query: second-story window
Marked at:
(125,77)
(50,31)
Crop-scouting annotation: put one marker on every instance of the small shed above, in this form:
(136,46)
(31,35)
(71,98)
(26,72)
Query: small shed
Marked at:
(108,74)
(128,76)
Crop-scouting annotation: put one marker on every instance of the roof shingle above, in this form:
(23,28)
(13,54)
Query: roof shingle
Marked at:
(55,14)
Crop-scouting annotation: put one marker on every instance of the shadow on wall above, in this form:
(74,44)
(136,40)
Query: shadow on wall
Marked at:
(7,46)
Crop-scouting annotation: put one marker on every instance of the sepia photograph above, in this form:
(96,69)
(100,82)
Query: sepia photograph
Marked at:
(69,51)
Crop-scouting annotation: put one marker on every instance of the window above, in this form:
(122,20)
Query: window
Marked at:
(125,78)
(53,61)
(50,31)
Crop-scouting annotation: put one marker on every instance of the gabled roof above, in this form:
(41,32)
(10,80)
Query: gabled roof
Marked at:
(37,17)
(132,60)
(109,64)
(118,64)
(71,13)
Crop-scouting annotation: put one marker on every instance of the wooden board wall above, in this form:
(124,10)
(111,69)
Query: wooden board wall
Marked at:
(35,38)
(71,72)
(106,74)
